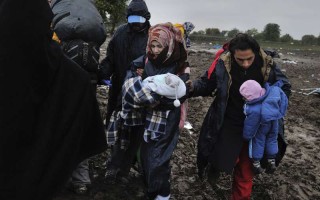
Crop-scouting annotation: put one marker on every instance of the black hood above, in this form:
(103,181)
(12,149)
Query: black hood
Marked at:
(138,7)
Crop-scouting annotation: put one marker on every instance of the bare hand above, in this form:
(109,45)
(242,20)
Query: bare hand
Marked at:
(189,85)
(187,70)
(139,71)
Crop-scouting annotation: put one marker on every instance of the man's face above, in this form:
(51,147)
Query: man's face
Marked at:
(244,58)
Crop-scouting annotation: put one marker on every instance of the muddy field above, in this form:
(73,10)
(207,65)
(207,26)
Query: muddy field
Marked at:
(297,177)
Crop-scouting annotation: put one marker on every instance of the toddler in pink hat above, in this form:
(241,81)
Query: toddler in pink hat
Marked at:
(251,90)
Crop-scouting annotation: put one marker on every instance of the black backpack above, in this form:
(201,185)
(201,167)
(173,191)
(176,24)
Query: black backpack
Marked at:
(77,19)
(85,54)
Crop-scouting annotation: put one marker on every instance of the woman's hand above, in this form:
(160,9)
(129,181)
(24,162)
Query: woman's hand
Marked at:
(139,71)
(189,85)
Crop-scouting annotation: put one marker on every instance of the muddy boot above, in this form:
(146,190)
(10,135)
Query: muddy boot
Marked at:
(111,176)
(271,166)
(77,188)
(257,169)
(80,178)
(80,188)
(213,176)
(159,197)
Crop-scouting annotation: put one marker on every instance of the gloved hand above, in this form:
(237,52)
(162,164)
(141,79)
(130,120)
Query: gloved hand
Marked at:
(106,82)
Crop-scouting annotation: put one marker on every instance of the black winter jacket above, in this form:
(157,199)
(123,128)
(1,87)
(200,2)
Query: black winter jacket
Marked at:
(218,85)
(123,48)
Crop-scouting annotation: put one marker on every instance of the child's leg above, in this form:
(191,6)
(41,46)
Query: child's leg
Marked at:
(272,146)
(272,140)
(257,169)
(258,145)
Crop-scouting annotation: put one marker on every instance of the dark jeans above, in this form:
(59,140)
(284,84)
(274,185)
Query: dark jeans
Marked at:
(228,147)
(123,159)
(156,155)
(81,174)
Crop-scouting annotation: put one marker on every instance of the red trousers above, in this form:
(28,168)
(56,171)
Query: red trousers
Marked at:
(242,176)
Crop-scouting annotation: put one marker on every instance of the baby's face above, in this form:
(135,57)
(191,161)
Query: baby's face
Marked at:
(169,81)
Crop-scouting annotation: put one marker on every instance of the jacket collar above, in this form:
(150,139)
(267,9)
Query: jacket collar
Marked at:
(265,70)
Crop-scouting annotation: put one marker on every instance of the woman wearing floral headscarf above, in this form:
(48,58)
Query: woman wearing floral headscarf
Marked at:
(166,53)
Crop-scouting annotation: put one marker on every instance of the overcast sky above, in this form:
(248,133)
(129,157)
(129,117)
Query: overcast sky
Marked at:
(295,17)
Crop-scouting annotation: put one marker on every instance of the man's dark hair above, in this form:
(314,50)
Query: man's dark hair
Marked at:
(243,41)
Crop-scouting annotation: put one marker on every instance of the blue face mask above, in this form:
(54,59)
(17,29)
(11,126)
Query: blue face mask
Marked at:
(136,19)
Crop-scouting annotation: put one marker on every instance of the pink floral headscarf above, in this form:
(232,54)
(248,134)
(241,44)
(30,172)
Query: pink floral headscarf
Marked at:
(167,35)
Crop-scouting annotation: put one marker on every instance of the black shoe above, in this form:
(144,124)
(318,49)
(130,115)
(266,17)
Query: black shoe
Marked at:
(257,169)
(124,180)
(81,189)
(271,166)
(212,176)
(78,188)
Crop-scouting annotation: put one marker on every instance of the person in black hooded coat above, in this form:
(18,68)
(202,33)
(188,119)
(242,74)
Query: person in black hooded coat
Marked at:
(49,119)
(128,43)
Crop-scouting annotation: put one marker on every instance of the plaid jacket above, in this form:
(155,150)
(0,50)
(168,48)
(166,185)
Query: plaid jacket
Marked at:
(112,128)
(135,111)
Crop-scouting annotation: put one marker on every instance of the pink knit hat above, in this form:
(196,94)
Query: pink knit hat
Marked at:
(251,90)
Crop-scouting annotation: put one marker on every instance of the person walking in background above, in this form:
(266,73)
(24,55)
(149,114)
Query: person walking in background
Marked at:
(166,53)
(221,147)
(49,119)
(186,29)
(263,109)
(128,43)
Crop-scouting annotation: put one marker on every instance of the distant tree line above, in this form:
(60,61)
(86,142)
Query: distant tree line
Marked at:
(113,13)
(270,33)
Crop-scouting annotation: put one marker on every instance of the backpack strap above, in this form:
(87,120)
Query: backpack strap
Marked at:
(217,56)
(214,63)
